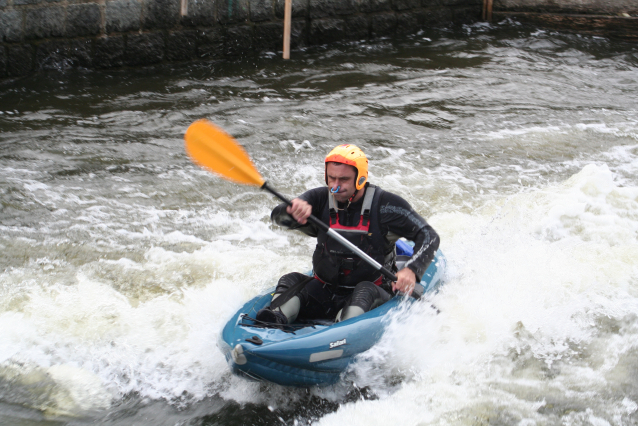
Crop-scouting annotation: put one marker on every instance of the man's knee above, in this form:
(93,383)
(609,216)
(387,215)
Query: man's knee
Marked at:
(368,295)
(289,280)
(365,297)
(366,286)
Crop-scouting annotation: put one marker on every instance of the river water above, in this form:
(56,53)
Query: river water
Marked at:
(120,260)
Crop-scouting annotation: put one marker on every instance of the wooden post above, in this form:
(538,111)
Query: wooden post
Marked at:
(287,18)
(489,10)
(184,8)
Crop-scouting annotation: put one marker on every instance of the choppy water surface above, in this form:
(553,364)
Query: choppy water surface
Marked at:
(120,260)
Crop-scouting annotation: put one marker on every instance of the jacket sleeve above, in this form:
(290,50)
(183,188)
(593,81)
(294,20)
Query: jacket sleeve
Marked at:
(398,217)
(314,198)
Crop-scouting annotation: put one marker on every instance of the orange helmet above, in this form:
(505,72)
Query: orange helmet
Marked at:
(352,156)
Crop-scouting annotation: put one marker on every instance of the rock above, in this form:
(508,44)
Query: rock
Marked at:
(261,10)
(327,30)
(270,36)
(239,40)
(3,62)
(22,2)
(210,43)
(232,11)
(144,49)
(44,22)
(384,24)
(109,52)
(368,6)
(325,8)
(405,4)
(201,13)
(181,45)
(83,20)
(123,16)
(408,23)
(10,28)
(19,60)
(63,54)
(161,14)
(357,27)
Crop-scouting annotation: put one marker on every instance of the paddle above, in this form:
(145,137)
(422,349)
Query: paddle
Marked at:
(212,148)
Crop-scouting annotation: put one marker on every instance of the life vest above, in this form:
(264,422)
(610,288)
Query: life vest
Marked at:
(339,266)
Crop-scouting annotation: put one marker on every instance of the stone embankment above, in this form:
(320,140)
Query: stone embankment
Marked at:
(610,18)
(46,34)
(52,34)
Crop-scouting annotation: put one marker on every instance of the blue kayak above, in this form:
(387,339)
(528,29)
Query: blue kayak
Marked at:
(310,353)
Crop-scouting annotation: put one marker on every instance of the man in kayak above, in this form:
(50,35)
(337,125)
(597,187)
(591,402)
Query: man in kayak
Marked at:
(344,285)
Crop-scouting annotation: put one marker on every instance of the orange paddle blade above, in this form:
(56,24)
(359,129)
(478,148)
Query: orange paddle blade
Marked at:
(212,148)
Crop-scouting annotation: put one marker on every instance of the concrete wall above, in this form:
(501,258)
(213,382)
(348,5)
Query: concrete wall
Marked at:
(597,7)
(46,34)
(611,18)
(49,34)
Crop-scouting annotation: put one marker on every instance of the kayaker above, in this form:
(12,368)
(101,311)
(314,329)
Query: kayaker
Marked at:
(343,285)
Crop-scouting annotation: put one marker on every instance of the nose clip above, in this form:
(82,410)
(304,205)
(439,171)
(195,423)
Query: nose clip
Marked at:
(333,190)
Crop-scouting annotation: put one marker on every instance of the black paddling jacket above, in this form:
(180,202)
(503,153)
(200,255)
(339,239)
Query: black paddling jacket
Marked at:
(391,217)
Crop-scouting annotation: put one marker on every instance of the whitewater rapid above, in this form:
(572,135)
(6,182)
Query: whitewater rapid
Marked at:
(120,260)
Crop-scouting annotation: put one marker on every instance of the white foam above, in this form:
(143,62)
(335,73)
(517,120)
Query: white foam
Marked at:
(150,329)
(532,274)
(524,283)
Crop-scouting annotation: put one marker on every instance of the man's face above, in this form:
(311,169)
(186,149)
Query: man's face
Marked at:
(343,176)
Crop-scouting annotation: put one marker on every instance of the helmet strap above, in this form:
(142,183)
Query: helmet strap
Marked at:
(349,200)
(353,195)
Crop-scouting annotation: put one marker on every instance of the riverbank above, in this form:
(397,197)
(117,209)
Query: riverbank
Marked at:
(104,34)
(615,19)
(43,34)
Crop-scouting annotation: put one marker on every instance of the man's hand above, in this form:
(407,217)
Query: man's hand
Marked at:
(300,210)
(406,280)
